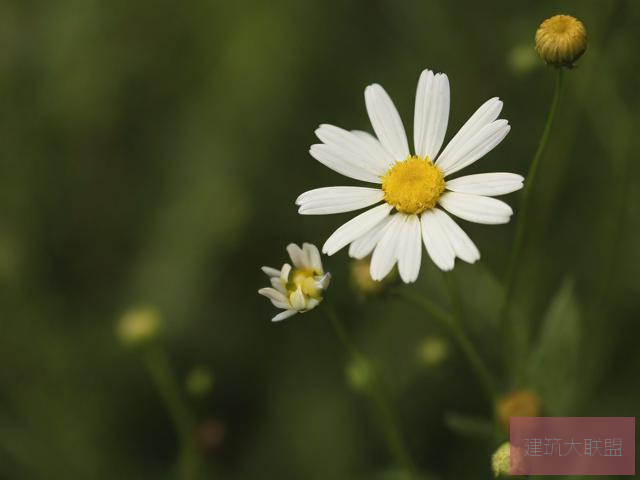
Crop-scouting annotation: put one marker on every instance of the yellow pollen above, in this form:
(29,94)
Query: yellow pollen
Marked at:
(413,185)
(303,278)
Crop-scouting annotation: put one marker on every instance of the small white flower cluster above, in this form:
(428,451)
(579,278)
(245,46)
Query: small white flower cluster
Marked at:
(297,288)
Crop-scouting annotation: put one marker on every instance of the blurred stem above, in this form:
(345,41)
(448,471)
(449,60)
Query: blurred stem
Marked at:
(521,225)
(454,324)
(378,396)
(164,378)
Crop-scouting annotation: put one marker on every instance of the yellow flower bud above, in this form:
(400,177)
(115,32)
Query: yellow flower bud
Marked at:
(138,326)
(501,460)
(521,403)
(561,40)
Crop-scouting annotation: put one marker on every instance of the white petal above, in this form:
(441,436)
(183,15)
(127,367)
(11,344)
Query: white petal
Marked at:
(277,298)
(323,282)
(375,149)
(386,121)
(297,299)
(326,155)
(476,208)
(476,147)
(431,113)
(313,257)
(328,200)
(364,245)
(283,315)
(384,256)
(462,245)
(436,241)
(284,272)
(489,184)
(278,284)
(311,304)
(272,272)
(486,114)
(410,251)
(354,228)
(296,255)
(352,147)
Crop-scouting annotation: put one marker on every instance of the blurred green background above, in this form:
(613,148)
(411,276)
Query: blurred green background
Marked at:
(151,154)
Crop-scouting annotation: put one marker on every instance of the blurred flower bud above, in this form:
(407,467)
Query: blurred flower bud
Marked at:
(432,351)
(138,326)
(501,460)
(210,434)
(521,403)
(359,374)
(199,382)
(522,59)
(361,280)
(561,40)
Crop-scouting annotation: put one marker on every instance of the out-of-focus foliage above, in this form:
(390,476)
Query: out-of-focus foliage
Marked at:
(151,154)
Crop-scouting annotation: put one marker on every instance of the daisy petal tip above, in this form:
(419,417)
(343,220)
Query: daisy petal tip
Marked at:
(374,274)
(447,267)
(283,315)
(269,271)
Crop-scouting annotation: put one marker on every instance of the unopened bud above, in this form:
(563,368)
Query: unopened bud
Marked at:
(502,459)
(561,40)
(521,403)
(138,325)
(433,351)
(359,374)
(522,59)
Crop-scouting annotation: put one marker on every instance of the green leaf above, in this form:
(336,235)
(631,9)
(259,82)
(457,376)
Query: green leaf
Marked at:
(554,360)
(468,426)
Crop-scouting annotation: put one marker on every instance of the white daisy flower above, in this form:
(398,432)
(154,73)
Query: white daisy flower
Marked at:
(414,188)
(298,288)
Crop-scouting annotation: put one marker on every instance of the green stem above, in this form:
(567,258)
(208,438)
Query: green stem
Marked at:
(486,381)
(521,225)
(378,396)
(453,323)
(164,379)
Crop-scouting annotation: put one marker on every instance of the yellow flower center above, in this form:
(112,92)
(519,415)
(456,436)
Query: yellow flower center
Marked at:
(413,185)
(303,278)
